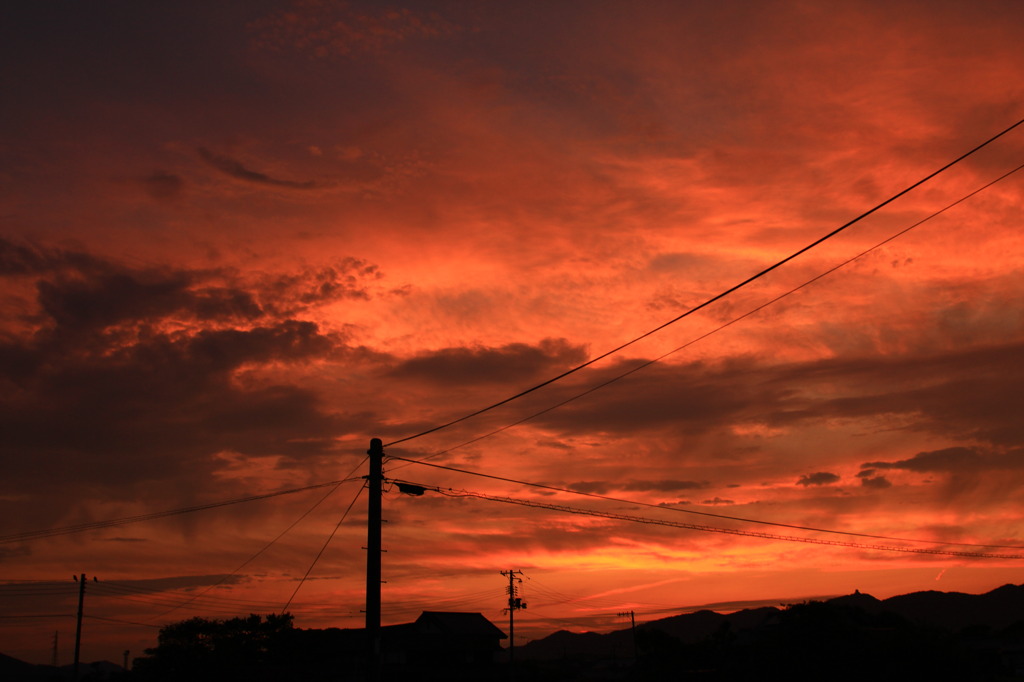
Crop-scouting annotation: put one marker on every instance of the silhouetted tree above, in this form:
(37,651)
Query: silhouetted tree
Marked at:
(201,650)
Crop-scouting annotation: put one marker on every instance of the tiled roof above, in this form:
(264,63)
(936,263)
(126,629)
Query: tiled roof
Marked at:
(459,624)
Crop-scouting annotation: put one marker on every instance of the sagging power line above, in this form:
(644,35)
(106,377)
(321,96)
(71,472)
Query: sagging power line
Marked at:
(713,529)
(109,523)
(554,488)
(739,318)
(714,298)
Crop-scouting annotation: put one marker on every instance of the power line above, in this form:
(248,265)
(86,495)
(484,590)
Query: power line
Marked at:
(15,591)
(280,535)
(693,341)
(434,603)
(713,529)
(155,597)
(206,607)
(717,297)
(106,588)
(619,500)
(647,363)
(323,549)
(96,525)
(127,622)
(557,597)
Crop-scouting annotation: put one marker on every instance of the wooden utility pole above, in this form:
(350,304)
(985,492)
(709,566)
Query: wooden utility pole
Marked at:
(78,628)
(514,604)
(373,552)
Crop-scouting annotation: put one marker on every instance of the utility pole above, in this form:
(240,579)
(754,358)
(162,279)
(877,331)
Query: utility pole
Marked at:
(632,622)
(78,629)
(514,604)
(55,634)
(373,551)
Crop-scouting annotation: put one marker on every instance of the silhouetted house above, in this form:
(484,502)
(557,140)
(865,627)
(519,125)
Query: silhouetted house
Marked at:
(437,640)
(443,637)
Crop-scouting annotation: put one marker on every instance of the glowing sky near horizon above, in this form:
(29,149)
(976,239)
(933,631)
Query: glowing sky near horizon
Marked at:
(238,241)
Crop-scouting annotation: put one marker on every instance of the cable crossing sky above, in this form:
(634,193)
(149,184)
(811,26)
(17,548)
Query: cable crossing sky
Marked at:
(717,297)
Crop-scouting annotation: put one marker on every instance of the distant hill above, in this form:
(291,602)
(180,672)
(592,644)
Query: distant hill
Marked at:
(14,670)
(997,609)
(951,612)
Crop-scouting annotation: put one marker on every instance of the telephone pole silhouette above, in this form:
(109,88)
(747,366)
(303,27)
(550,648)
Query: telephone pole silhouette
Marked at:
(514,604)
(78,628)
(374,482)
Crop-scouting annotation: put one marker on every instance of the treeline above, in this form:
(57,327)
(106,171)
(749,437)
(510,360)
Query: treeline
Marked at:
(254,648)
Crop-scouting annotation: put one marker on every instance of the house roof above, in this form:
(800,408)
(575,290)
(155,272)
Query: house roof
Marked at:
(458,624)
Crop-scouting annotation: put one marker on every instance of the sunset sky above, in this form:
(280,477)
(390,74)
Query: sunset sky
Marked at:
(239,240)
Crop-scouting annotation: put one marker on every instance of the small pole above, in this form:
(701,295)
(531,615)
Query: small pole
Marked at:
(78,629)
(632,622)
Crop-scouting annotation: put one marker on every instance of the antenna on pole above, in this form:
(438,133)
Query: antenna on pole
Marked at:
(514,604)
(632,623)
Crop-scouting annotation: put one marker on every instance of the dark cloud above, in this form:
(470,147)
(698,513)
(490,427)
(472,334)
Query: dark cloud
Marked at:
(79,295)
(153,421)
(948,460)
(288,341)
(337,29)
(111,298)
(219,303)
(514,363)
(717,501)
(666,486)
(877,482)
(819,478)
(696,397)
(130,379)
(92,309)
(235,169)
(556,444)
(293,292)
(163,186)
(20,259)
(677,262)
(166,403)
(973,477)
(29,259)
(959,394)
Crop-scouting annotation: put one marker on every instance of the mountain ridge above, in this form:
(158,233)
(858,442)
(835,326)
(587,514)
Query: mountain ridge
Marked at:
(997,609)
